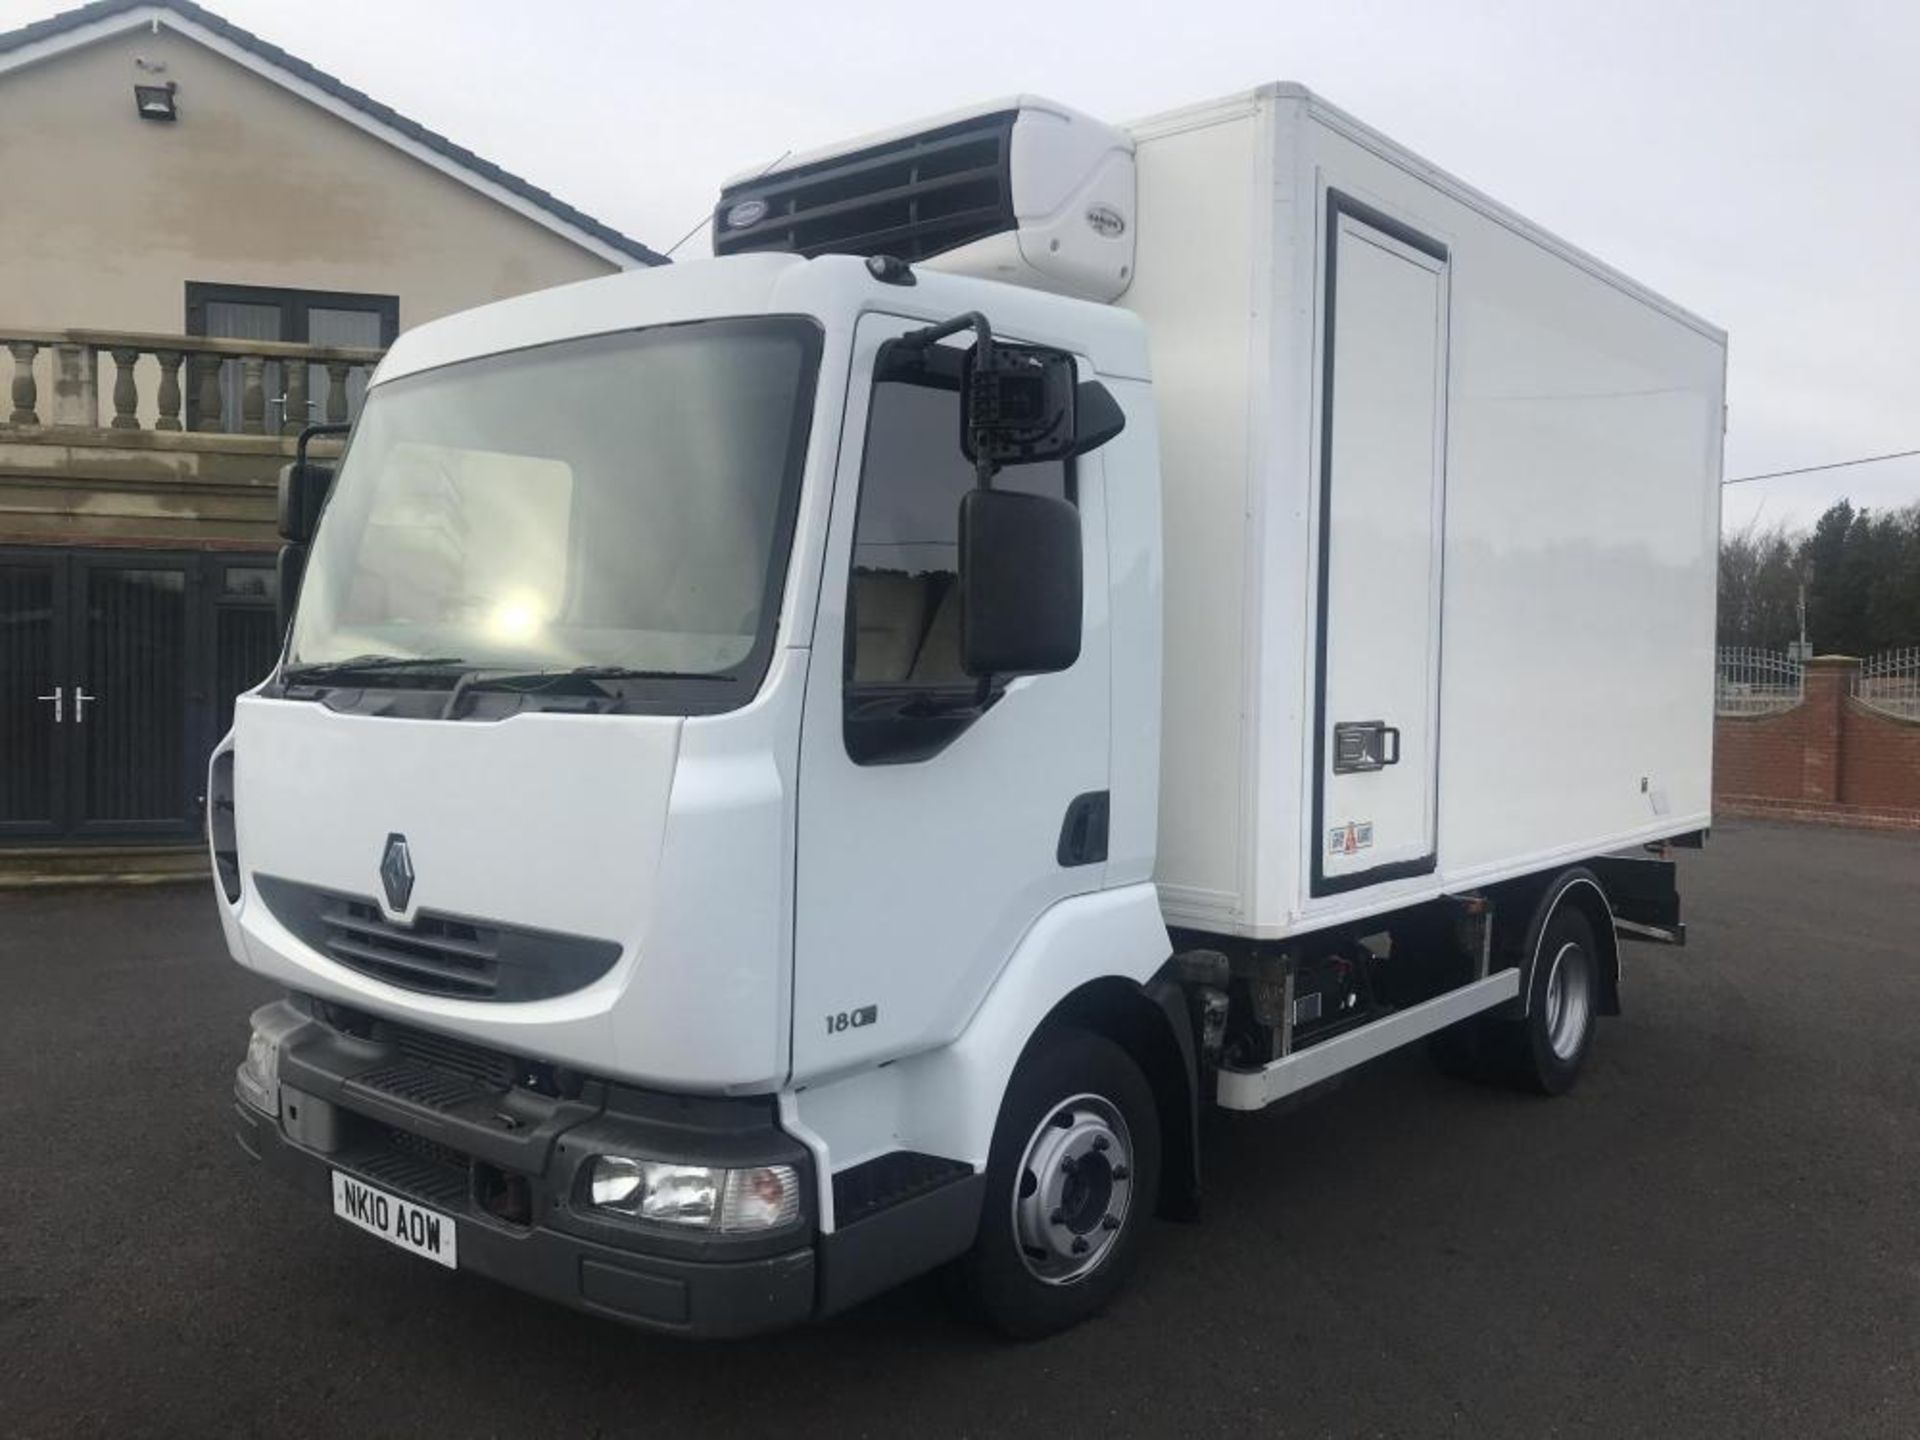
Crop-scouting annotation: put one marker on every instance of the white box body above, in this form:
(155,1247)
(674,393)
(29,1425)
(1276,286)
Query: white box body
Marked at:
(1576,457)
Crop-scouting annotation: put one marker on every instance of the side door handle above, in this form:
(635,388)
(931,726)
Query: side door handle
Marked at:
(59,699)
(1363,745)
(80,701)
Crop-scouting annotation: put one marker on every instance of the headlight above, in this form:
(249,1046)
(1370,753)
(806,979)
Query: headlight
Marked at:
(697,1196)
(258,1079)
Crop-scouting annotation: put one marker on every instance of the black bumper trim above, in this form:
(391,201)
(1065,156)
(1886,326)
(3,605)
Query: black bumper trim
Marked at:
(685,1297)
(907,1238)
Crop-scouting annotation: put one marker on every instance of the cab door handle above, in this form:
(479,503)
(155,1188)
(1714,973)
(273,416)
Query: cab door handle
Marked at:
(59,699)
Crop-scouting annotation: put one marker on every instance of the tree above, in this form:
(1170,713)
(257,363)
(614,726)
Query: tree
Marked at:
(1862,578)
(1759,588)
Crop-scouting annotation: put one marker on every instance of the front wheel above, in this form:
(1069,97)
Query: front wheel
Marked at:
(1072,1180)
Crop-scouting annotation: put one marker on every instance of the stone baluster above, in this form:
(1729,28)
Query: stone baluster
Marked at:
(207,393)
(293,416)
(76,389)
(253,396)
(169,389)
(126,395)
(337,392)
(26,395)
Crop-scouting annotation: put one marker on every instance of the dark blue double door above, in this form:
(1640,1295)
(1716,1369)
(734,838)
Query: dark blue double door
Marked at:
(118,670)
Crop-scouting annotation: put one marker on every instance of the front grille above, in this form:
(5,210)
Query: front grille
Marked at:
(438,954)
(914,198)
(448,957)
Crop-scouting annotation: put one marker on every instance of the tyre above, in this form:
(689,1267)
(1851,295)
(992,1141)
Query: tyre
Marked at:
(1072,1181)
(1543,1050)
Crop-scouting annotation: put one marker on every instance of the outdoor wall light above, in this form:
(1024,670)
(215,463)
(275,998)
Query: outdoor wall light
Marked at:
(155,102)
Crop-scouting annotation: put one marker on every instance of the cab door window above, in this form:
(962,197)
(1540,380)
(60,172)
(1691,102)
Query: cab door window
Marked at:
(906,694)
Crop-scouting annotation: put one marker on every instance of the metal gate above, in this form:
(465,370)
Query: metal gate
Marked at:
(118,671)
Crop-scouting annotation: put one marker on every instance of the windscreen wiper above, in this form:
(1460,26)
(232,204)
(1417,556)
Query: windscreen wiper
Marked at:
(358,664)
(590,676)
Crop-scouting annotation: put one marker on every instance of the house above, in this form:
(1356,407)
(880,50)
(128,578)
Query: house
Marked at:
(207,244)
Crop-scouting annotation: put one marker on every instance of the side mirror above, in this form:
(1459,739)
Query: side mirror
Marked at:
(1019,583)
(1016,404)
(1097,417)
(303,490)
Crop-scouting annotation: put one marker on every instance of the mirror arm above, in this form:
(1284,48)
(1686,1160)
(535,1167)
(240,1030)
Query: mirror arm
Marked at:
(311,432)
(972,320)
(983,469)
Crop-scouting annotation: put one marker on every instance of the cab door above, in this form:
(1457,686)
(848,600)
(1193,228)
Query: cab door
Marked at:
(936,824)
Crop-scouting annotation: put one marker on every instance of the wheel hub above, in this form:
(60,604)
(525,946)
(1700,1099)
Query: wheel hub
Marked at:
(1569,1001)
(1073,1189)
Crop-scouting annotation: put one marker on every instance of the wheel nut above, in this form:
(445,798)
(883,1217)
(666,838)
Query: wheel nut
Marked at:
(1069,1164)
(1120,1172)
(1058,1217)
(1079,1244)
(1109,1222)
(1100,1142)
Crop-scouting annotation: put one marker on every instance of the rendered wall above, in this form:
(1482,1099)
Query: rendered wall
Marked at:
(104,216)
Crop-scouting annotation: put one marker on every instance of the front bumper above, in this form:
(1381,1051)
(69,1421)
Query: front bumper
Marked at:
(693,1298)
(504,1166)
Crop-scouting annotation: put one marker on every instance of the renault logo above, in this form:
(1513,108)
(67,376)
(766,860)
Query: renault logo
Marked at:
(396,872)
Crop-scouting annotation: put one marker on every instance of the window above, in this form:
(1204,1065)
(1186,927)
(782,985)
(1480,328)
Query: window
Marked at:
(623,500)
(906,694)
(301,317)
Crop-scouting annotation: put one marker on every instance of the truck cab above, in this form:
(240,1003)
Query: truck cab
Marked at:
(625,742)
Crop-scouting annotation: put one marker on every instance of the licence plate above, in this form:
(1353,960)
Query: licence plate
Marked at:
(399,1222)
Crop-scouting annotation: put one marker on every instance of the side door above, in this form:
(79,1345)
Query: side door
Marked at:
(129,730)
(931,816)
(34,693)
(1382,499)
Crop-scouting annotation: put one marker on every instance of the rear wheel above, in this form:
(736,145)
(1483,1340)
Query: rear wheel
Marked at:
(1544,1049)
(1072,1181)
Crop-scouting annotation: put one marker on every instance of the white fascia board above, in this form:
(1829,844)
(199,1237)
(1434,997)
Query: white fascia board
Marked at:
(154,16)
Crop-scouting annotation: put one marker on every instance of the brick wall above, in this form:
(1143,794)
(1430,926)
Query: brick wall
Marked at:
(1827,756)
(1879,758)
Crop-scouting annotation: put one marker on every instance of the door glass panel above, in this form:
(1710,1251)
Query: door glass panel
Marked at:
(233,320)
(328,326)
(906,543)
(246,643)
(131,723)
(28,729)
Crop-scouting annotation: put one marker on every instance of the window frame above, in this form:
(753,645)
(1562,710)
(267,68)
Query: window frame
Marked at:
(677,695)
(293,304)
(895,722)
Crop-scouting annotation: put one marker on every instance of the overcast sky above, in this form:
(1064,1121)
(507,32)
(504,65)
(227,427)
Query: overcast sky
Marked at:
(1758,162)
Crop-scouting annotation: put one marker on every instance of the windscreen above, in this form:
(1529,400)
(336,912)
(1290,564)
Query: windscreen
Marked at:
(618,501)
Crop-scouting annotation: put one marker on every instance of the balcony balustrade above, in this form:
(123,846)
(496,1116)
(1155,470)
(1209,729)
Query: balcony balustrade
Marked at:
(236,387)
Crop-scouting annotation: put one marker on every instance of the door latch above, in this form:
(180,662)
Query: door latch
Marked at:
(1362,745)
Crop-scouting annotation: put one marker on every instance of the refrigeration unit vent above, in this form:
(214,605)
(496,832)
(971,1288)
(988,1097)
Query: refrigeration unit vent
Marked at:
(912,197)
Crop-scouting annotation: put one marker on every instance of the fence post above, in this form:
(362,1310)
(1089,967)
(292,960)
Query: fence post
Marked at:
(1829,682)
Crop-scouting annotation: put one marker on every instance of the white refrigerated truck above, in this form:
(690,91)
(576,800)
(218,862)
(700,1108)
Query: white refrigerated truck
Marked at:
(796,769)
